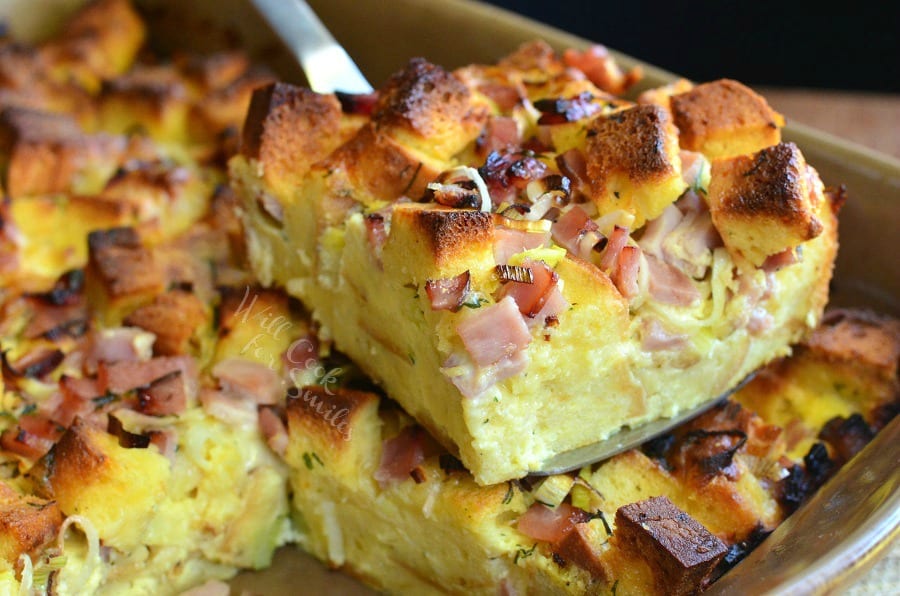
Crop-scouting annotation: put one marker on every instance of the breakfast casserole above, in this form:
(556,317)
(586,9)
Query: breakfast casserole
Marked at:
(171,416)
(529,263)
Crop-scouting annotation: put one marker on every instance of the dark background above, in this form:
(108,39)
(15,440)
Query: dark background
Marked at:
(845,44)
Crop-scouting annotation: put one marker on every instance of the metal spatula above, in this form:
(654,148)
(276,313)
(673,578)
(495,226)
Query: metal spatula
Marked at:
(327,65)
(329,68)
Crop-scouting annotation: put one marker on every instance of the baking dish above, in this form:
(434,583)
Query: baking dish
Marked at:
(456,32)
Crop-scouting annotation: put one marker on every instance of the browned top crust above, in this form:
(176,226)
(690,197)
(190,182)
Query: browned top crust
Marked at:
(721,108)
(422,97)
(681,552)
(327,412)
(863,338)
(173,317)
(533,55)
(121,263)
(769,184)
(288,128)
(74,458)
(26,523)
(451,232)
(630,142)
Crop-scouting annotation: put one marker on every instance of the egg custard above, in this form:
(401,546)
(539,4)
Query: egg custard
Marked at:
(377,497)
(139,360)
(526,261)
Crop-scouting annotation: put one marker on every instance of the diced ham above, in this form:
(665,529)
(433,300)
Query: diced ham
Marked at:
(123,376)
(52,322)
(475,381)
(494,333)
(669,284)
(577,232)
(654,337)
(119,344)
(505,96)
(548,524)
(782,259)
(531,297)
(361,104)
(553,306)
(273,429)
(625,274)
(601,68)
(561,110)
(617,240)
(401,455)
(166,440)
(248,379)
(508,242)
(692,164)
(36,364)
(448,294)
(228,408)
(31,437)
(573,165)
(658,229)
(376,234)
(500,134)
(163,396)
(77,399)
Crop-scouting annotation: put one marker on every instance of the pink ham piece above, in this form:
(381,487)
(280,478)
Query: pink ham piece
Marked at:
(655,337)
(500,134)
(376,234)
(77,399)
(548,524)
(505,96)
(401,455)
(230,409)
(248,379)
(669,284)
(31,437)
(123,376)
(164,396)
(576,232)
(119,344)
(508,242)
(273,429)
(782,259)
(531,297)
(625,274)
(494,333)
(448,294)
(573,165)
(614,245)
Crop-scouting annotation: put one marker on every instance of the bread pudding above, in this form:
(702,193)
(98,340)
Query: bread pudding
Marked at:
(529,263)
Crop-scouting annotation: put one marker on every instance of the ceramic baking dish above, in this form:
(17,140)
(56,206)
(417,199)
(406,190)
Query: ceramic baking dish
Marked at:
(834,537)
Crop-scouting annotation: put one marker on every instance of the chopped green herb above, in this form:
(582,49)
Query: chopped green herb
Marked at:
(28,409)
(524,554)
(615,587)
(510,492)
(107,398)
(310,458)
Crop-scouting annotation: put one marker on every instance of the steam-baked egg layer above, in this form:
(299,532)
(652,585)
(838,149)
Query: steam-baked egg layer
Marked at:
(371,476)
(528,263)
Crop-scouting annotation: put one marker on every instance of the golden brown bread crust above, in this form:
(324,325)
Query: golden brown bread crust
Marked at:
(451,233)
(27,523)
(288,128)
(121,265)
(764,203)
(633,141)
(74,459)
(41,152)
(328,413)
(430,104)
(380,166)
(174,317)
(724,118)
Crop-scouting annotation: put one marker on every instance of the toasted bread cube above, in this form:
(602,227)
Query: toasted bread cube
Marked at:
(99,42)
(88,473)
(765,203)
(49,153)
(177,318)
(681,552)
(152,99)
(725,118)
(288,128)
(121,274)
(27,523)
(168,199)
(633,162)
(428,110)
(427,243)
(332,431)
(662,95)
(73,218)
(224,108)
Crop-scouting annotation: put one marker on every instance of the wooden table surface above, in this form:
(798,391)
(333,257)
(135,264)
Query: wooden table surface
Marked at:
(872,120)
